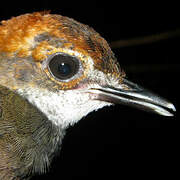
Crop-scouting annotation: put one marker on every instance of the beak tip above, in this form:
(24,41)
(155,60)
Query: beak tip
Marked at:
(164,113)
(171,106)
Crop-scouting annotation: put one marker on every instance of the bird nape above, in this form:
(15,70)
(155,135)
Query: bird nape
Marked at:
(54,71)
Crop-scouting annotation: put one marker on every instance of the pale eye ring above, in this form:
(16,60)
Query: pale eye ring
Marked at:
(64,67)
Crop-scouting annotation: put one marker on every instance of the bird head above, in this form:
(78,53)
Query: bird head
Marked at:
(66,69)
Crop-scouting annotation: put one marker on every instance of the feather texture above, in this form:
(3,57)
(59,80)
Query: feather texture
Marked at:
(28,140)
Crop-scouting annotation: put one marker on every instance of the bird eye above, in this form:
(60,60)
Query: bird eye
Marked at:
(64,66)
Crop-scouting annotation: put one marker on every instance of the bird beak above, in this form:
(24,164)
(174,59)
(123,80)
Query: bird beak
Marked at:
(133,95)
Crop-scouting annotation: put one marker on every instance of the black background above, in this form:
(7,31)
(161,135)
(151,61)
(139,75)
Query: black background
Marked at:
(121,141)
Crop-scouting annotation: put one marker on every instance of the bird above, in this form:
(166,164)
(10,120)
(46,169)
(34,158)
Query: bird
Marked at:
(53,72)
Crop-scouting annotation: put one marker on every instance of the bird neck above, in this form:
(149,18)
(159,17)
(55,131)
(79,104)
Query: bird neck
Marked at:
(26,134)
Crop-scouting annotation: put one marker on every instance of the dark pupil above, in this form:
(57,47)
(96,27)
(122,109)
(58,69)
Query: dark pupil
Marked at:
(64,69)
(64,66)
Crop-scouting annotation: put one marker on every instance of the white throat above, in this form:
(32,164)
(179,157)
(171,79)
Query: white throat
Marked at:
(63,108)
